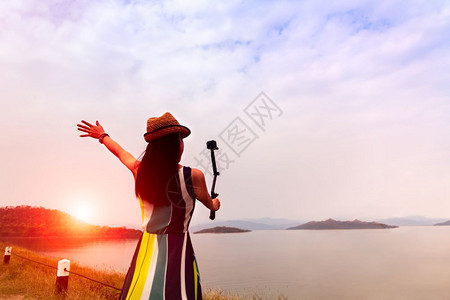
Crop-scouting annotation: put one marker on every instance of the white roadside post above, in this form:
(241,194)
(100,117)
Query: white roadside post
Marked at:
(62,276)
(7,256)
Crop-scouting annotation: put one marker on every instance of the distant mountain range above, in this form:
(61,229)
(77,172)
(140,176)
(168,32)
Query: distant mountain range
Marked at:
(281,224)
(250,224)
(411,221)
(333,224)
(447,223)
(38,221)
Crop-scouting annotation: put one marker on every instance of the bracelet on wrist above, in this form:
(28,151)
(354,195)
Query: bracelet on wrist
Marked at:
(101,137)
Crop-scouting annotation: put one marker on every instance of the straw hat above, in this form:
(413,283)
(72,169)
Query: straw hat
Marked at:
(158,127)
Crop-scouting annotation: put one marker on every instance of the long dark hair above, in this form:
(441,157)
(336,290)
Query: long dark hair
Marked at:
(158,166)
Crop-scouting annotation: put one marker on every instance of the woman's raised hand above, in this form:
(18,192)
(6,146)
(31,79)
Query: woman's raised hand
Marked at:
(93,131)
(216,204)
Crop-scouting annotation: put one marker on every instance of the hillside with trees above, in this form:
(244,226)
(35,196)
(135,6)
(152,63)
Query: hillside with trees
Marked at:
(27,221)
(333,224)
(222,229)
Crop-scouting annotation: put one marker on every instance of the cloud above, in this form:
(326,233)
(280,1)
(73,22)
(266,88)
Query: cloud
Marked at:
(363,86)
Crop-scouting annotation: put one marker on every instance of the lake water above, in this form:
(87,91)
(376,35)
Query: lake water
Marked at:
(402,263)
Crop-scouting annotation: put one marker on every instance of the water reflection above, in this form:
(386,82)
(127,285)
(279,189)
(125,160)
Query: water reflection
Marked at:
(402,263)
(110,254)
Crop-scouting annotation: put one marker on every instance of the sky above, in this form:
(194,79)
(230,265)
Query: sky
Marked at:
(336,109)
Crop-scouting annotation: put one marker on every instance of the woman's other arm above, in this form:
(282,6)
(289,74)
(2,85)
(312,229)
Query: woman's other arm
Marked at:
(201,191)
(96,131)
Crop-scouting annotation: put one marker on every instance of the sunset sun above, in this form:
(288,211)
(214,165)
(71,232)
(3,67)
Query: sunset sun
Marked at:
(83,211)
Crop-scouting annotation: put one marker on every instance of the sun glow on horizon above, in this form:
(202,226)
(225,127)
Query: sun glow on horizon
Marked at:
(83,211)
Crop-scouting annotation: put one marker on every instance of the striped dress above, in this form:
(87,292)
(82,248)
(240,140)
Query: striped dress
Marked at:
(164,265)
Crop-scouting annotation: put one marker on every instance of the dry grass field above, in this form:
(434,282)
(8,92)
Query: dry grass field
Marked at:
(22,279)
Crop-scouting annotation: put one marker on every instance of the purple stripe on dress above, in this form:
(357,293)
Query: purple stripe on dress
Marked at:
(189,269)
(173,272)
(188,181)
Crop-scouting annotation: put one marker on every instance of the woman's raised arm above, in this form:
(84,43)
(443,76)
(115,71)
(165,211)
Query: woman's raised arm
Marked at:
(97,132)
(201,191)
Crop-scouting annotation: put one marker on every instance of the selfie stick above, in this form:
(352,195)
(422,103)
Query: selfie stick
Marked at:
(212,145)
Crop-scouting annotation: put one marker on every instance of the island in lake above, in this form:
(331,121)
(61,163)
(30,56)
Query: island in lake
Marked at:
(443,223)
(222,229)
(28,221)
(333,224)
